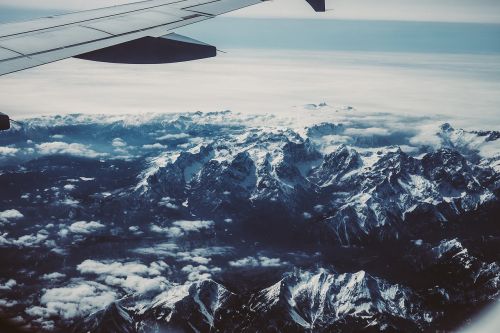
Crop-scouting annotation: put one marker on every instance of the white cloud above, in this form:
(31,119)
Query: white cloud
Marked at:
(31,240)
(427,136)
(370,131)
(193,226)
(260,261)
(4,241)
(119,269)
(131,276)
(371,82)
(8,151)
(76,300)
(245,262)
(180,228)
(168,202)
(201,272)
(173,136)
(8,285)
(5,303)
(83,227)
(173,232)
(52,276)
(154,146)
(86,179)
(490,149)
(160,249)
(135,230)
(118,142)
(188,256)
(138,284)
(69,187)
(63,148)
(10,215)
(26,240)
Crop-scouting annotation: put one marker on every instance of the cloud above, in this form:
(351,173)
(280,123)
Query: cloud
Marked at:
(201,272)
(193,226)
(5,303)
(427,136)
(180,228)
(31,240)
(4,241)
(160,249)
(175,136)
(52,276)
(370,131)
(8,285)
(490,149)
(83,227)
(10,215)
(260,261)
(73,301)
(118,142)
(138,284)
(135,230)
(155,146)
(188,256)
(131,276)
(391,83)
(8,151)
(173,232)
(86,179)
(119,269)
(168,202)
(63,148)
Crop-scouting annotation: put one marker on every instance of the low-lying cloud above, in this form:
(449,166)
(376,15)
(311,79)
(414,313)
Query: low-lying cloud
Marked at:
(63,148)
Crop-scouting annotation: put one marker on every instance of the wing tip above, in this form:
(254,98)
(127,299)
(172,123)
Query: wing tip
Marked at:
(318,5)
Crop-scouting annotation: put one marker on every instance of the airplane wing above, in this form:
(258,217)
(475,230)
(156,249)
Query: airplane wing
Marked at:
(133,33)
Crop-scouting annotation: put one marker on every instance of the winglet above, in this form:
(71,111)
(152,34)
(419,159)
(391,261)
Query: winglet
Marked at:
(318,5)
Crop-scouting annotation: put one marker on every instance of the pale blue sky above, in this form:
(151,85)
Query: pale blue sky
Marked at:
(413,10)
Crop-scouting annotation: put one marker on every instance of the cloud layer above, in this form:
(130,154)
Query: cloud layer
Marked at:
(461,89)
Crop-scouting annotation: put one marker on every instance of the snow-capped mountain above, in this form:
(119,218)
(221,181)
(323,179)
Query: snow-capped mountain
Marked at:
(195,307)
(300,302)
(223,222)
(351,195)
(325,302)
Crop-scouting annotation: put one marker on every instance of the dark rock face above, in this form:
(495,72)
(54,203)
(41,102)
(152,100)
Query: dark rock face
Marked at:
(113,319)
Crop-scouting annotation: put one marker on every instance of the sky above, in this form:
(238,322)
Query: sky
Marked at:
(408,10)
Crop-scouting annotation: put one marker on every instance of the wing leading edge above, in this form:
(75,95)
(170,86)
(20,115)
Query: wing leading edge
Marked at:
(33,43)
